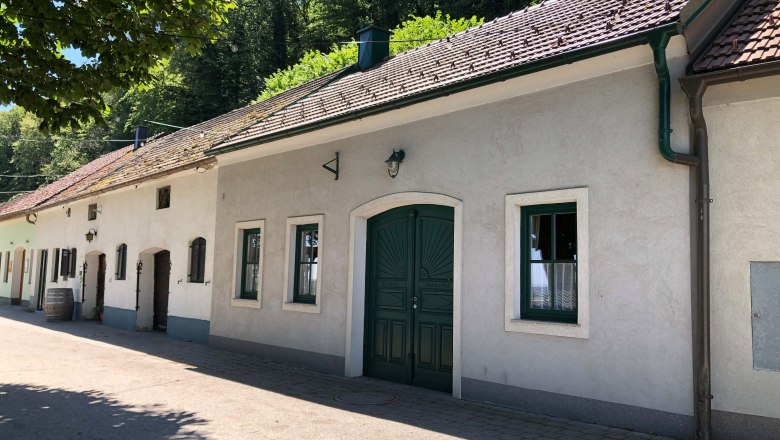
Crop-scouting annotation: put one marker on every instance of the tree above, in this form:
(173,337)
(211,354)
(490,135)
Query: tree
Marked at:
(411,33)
(123,40)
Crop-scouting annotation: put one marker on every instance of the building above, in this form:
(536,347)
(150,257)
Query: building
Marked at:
(566,210)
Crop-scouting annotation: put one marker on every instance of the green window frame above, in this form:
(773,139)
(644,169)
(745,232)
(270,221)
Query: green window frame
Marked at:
(306,267)
(250,264)
(544,293)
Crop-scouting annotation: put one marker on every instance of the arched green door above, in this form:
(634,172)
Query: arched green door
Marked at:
(408,335)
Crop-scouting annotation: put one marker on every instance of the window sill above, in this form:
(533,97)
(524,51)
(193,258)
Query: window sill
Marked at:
(548,328)
(248,303)
(301,307)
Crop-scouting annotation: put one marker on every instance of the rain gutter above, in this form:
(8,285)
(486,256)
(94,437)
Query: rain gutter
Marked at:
(695,86)
(617,44)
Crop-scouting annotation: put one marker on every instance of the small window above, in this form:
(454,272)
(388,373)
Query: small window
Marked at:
(549,262)
(250,264)
(121,262)
(55,273)
(163,197)
(197,260)
(92,212)
(65,263)
(306,250)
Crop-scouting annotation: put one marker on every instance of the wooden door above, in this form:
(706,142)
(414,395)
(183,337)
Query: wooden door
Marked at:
(162,275)
(408,335)
(101,281)
(42,279)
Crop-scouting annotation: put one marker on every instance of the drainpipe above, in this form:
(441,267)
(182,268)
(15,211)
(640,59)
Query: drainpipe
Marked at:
(695,87)
(700,309)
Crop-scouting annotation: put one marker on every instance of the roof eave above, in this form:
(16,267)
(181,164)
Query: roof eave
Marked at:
(614,45)
(205,161)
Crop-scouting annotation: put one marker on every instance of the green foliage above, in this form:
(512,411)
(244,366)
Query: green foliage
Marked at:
(411,33)
(123,39)
(139,73)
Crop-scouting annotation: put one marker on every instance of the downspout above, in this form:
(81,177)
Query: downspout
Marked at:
(702,294)
(695,87)
(700,309)
(658,43)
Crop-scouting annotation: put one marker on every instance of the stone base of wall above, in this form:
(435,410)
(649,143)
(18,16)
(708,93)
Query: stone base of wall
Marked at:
(316,361)
(119,318)
(188,329)
(5,300)
(734,426)
(600,412)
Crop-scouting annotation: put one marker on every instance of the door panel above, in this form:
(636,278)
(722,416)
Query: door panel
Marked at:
(101,281)
(434,253)
(409,286)
(162,275)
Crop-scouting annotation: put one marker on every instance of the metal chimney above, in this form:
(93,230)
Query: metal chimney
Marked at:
(374,46)
(141,133)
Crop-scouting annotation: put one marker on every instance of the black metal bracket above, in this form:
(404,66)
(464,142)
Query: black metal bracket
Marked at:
(83,281)
(332,170)
(138,267)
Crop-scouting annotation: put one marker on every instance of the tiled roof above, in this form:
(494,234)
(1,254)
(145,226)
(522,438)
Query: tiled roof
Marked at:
(178,150)
(752,37)
(537,33)
(28,201)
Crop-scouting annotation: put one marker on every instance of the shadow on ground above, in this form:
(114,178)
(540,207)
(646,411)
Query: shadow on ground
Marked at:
(430,410)
(33,412)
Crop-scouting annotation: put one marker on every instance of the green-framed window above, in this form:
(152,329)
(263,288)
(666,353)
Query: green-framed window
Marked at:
(306,258)
(549,262)
(250,264)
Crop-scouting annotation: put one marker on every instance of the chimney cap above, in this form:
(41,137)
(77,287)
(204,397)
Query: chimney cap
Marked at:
(371,27)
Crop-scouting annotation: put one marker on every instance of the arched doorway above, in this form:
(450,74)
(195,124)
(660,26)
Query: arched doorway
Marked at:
(409,280)
(17,276)
(356,288)
(152,289)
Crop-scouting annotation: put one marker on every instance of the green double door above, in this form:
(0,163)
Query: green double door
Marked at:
(408,335)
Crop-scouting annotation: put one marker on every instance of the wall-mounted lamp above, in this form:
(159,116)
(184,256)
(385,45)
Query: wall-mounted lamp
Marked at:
(90,235)
(394,162)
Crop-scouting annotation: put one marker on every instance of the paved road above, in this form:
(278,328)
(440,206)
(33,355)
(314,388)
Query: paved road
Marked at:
(82,380)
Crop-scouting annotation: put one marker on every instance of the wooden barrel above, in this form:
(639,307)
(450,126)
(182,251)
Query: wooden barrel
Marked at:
(59,304)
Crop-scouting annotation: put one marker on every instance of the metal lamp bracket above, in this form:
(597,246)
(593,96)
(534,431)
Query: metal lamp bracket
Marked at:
(333,170)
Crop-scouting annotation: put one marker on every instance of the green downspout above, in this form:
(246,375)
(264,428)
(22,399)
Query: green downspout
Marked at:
(658,43)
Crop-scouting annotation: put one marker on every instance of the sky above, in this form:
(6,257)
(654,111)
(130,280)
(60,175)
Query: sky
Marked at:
(70,53)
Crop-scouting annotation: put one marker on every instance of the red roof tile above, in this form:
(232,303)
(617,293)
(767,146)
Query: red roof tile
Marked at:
(553,28)
(20,204)
(752,37)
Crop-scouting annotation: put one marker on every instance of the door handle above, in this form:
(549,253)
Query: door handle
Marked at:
(414,302)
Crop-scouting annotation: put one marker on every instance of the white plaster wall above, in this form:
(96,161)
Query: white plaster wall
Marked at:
(129,216)
(600,133)
(745,187)
(16,233)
